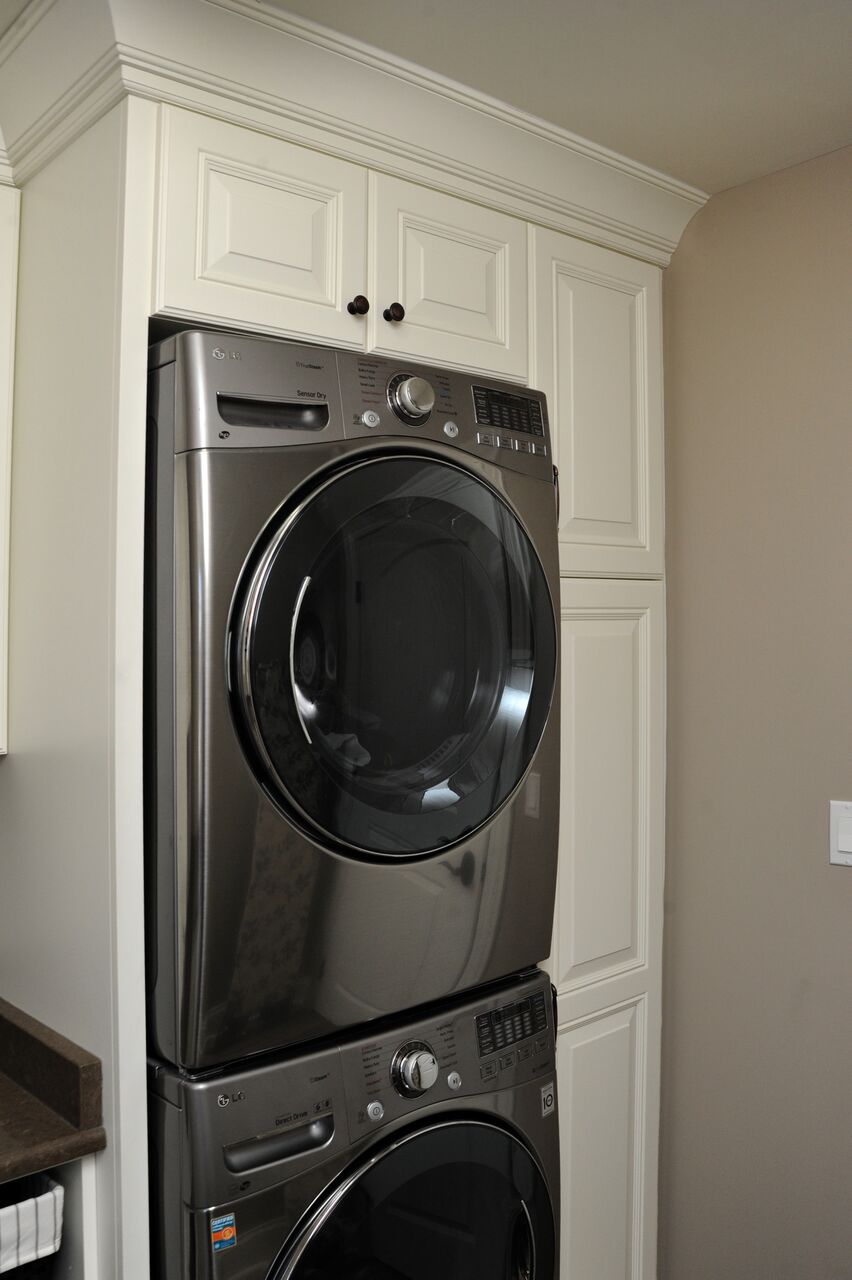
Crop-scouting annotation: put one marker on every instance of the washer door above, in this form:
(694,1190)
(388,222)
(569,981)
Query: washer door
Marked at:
(463,1200)
(394,656)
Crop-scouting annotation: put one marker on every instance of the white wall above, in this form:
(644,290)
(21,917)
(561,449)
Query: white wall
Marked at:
(756,1135)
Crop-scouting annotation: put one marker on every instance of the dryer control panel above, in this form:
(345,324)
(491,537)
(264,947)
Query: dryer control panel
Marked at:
(236,392)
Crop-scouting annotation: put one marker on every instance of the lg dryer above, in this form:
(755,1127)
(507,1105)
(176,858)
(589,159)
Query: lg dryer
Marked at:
(352,736)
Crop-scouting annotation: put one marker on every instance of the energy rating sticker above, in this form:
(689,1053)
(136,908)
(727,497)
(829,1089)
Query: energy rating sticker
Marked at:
(223,1232)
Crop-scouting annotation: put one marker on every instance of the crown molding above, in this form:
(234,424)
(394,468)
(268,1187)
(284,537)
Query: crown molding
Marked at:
(22,26)
(7,177)
(95,92)
(158,79)
(356,50)
(602,215)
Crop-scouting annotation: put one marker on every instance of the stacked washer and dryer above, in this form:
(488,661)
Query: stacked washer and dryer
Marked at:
(352,791)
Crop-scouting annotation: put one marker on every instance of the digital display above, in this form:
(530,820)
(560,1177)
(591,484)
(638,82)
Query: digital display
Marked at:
(503,1027)
(511,412)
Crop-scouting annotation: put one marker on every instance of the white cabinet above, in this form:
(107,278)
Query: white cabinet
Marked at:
(598,357)
(10,201)
(606,956)
(268,235)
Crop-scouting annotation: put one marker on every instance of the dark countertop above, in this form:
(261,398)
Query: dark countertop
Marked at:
(50,1097)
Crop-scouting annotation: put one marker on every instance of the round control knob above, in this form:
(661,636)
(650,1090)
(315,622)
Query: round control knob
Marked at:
(415,1070)
(416,397)
(375,1110)
(370,418)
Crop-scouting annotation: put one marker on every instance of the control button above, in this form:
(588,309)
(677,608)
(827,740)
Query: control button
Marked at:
(540,450)
(504,442)
(523,446)
(488,1071)
(414,1069)
(451,430)
(370,418)
(541,1044)
(375,1110)
(485,437)
(454,1080)
(524,1052)
(508,1060)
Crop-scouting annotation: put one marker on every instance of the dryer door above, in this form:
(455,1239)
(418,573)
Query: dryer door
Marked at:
(461,1200)
(393,650)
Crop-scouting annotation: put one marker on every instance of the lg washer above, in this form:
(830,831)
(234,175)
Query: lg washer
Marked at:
(352,739)
(417,1151)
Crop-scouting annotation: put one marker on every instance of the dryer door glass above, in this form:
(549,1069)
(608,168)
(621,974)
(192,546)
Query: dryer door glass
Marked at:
(461,1201)
(394,654)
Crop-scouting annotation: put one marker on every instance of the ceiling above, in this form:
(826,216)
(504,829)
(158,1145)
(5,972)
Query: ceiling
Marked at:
(713,92)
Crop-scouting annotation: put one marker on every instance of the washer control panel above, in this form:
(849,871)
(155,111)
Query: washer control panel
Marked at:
(480,1046)
(240,1131)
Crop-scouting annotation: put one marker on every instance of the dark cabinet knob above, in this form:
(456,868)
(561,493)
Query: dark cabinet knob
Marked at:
(359,306)
(396,311)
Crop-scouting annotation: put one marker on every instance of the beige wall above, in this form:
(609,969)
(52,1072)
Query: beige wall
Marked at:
(756,1178)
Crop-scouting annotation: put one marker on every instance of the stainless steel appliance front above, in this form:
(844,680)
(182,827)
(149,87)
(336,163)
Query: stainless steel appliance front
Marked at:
(325,1166)
(352,735)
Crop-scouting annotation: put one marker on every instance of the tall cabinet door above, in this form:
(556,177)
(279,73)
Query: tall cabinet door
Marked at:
(598,357)
(458,270)
(607,944)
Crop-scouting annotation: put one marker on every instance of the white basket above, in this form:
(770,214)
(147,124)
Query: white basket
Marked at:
(31,1228)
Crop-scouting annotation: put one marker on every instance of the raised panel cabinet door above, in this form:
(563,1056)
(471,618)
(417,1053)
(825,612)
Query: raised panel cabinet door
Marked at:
(458,270)
(608,904)
(597,354)
(606,956)
(608,1197)
(259,232)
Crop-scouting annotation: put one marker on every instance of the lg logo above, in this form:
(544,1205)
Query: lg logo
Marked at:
(225,1099)
(219,354)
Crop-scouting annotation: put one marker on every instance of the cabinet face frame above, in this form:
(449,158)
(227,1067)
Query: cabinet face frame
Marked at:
(597,354)
(10,206)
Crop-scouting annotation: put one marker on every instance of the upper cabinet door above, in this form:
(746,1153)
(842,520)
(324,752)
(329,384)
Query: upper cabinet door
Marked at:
(258,232)
(598,357)
(459,272)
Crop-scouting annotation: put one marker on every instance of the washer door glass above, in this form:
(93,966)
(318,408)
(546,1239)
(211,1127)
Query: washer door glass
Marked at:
(461,1201)
(395,656)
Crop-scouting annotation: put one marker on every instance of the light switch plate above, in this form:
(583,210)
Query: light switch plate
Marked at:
(840,832)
